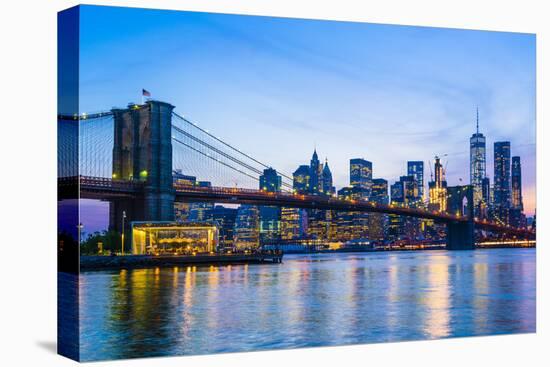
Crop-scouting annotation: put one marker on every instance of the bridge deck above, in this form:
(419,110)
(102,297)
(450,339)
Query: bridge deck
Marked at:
(106,189)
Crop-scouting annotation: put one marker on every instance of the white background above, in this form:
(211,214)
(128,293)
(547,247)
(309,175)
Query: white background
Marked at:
(28,181)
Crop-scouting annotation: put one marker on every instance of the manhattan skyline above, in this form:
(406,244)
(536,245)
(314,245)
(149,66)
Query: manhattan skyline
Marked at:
(388,94)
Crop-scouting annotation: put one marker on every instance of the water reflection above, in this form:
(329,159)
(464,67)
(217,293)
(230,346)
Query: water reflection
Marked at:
(309,300)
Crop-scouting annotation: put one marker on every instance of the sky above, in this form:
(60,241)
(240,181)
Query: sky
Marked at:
(278,87)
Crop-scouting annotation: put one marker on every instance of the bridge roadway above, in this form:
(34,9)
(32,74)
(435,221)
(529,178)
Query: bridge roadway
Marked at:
(108,189)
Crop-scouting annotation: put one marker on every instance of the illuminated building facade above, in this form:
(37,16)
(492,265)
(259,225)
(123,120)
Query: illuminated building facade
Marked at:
(270,181)
(405,193)
(162,238)
(378,221)
(194,212)
(360,174)
(517,197)
(501,200)
(225,218)
(438,188)
(326,180)
(477,168)
(486,202)
(416,170)
(351,225)
(517,218)
(396,222)
(181,210)
(315,175)
(270,216)
(293,223)
(301,179)
(247,228)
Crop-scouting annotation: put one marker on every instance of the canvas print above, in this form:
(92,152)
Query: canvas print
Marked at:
(232,183)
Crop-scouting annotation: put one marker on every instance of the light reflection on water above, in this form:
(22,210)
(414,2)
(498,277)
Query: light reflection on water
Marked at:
(309,300)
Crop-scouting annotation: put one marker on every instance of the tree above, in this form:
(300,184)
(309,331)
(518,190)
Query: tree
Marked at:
(111,242)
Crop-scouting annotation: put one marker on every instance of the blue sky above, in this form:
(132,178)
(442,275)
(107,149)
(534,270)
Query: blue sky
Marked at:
(383,92)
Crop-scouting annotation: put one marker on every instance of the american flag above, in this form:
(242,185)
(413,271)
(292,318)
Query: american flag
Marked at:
(145,93)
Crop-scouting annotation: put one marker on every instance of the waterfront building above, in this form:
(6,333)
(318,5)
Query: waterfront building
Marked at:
(293,223)
(502,194)
(477,167)
(351,225)
(176,238)
(200,212)
(360,174)
(193,212)
(319,223)
(225,218)
(270,216)
(416,169)
(181,209)
(247,228)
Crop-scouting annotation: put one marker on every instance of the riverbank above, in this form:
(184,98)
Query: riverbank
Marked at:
(143,261)
(489,245)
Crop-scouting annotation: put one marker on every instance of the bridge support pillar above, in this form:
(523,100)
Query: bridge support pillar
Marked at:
(460,235)
(142,151)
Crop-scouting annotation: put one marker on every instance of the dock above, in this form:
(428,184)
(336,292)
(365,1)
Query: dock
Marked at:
(96,262)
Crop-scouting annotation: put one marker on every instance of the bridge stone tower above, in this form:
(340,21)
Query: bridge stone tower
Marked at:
(460,234)
(142,151)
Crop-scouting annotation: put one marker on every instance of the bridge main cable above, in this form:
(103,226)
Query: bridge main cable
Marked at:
(228,145)
(215,159)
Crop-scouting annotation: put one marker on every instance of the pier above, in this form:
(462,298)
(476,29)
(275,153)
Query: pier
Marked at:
(142,261)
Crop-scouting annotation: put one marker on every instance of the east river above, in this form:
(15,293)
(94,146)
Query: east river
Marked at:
(308,300)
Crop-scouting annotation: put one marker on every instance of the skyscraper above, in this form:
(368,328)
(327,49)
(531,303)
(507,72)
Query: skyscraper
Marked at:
(326,180)
(201,212)
(270,216)
(315,170)
(416,169)
(502,181)
(438,188)
(294,220)
(517,197)
(301,180)
(246,233)
(477,166)
(293,223)
(378,221)
(360,174)
(225,219)
(517,218)
(270,181)
(486,197)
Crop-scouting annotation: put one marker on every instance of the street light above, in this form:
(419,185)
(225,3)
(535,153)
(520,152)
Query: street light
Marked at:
(123,219)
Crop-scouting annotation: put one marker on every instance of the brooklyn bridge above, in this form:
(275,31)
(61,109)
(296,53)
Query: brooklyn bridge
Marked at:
(127,157)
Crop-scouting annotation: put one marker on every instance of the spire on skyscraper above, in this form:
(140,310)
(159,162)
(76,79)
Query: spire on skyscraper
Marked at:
(314,157)
(326,168)
(477,120)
